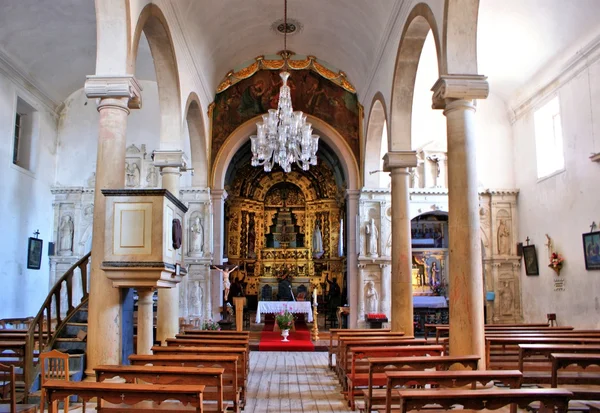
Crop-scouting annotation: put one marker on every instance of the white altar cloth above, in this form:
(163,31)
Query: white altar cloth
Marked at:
(274,307)
(429,301)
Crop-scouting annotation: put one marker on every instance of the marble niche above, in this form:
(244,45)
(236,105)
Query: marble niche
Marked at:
(374,260)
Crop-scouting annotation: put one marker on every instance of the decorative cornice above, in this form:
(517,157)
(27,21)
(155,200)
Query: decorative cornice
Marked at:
(498,191)
(27,83)
(428,191)
(126,86)
(55,190)
(384,191)
(399,159)
(195,190)
(545,83)
(463,87)
(146,192)
(260,63)
(111,265)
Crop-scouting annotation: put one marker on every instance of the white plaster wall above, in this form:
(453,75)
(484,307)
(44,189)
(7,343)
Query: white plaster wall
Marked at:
(25,206)
(562,206)
(78,133)
(493,128)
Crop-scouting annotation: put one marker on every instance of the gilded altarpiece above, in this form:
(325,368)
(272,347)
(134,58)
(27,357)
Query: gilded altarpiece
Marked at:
(270,225)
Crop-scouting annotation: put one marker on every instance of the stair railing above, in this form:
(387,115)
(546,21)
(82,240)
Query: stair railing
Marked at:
(41,335)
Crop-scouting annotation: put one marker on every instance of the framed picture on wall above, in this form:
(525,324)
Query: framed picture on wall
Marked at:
(591,250)
(531,262)
(34,253)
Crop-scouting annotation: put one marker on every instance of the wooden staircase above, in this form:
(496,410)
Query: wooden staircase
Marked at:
(65,332)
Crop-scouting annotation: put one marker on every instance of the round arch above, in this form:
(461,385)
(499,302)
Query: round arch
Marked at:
(242,134)
(375,127)
(154,25)
(460,36)
(198,147)
(418,24)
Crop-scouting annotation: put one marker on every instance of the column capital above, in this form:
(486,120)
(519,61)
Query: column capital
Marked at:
(170,159)
(463,87)
(399,159)
(114,87)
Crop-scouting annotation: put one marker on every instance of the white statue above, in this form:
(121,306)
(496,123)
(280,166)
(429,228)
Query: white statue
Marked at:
(133,174)
(66,235)
(197,236)
(372,238)
(195,298)
(317,242)
(503,238)
(371,298)
(152,177)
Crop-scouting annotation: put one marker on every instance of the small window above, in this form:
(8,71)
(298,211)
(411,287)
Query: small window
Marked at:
(549,139)
(25,121)
(16,140)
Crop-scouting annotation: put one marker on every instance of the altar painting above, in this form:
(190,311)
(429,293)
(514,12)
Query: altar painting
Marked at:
(311,94)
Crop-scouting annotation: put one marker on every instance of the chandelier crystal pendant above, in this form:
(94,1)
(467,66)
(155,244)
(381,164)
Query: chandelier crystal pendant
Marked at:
(284,136)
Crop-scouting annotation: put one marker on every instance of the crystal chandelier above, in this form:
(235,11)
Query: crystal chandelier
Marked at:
(284,136)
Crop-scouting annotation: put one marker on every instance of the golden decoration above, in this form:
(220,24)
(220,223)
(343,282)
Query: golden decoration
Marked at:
(310,62)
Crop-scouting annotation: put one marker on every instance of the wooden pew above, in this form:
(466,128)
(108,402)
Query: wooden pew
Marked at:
(239,352)
(537,356)
(509,345)
(231,381)
(478,400)
(347,344)
(124,393)
(335,332)
(356,378)
(445,329)
(192,332)
(200,336)
(194,342)
(210,377)
(563,360)
(448,379)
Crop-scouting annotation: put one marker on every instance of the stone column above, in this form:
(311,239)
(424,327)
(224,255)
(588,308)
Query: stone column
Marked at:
(170,163)
(217,197)
(455,94)
(145,321)
(398,164)
(116,96)
(352,196)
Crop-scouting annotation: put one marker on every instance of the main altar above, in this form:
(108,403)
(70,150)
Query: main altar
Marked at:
(275,307)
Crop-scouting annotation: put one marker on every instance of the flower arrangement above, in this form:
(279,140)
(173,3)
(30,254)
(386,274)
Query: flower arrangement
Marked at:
(210,325)
(284,320)
(556,262)
(438,288)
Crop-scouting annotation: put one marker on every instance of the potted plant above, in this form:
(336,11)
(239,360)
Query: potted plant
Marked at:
(284,320)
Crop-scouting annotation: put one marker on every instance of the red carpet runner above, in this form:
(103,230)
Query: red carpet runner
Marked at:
(299,340)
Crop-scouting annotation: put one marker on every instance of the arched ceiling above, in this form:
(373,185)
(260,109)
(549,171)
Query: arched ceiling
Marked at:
(345,34)
(53,42)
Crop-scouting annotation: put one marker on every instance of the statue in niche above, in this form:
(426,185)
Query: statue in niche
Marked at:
(195,299)
(133,174)
(197,236)
(506,299)
(317,242)
(434,274)
(371,298)
(372,238)
(152,177)
(415,178)
(66,235)
(434,168)
(503,238)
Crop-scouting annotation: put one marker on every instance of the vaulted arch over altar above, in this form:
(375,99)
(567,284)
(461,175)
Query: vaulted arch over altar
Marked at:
(277,223)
